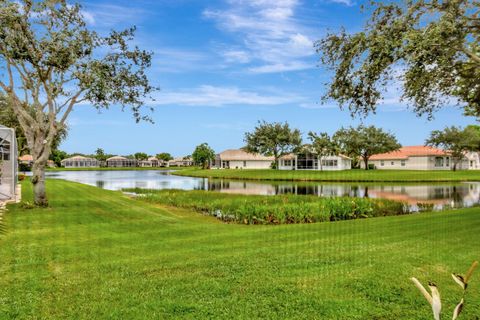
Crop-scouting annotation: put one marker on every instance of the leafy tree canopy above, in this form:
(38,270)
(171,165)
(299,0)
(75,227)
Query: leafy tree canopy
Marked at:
(203,155)
(364,142)
(100,155)
(273,139)
(165,156)
(431,48)
(53,62)
(9,119)
(140,156)
(322,145)
(456,140)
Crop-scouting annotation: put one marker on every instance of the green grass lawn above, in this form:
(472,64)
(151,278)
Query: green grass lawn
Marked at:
(337,176)
(96,254)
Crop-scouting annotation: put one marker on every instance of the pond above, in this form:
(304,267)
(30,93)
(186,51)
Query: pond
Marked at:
(418,196)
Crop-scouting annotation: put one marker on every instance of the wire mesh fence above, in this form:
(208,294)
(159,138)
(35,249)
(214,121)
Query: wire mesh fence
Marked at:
(8,163)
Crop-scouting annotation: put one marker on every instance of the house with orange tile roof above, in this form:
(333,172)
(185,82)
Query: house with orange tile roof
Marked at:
(422,158)
(27,159)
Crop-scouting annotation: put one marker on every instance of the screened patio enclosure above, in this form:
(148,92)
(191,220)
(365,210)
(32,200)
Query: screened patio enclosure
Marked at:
(8,163)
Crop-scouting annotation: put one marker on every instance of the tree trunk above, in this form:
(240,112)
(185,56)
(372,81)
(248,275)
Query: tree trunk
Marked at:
(38,181)
(40,149)
(365,161)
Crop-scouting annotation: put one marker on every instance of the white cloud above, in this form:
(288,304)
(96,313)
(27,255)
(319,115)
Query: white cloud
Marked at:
(236,56)
(176,60)
(213,96)
(318,105)
(89,18)
(281,67)
(271,36)
(344,2)
(112,15)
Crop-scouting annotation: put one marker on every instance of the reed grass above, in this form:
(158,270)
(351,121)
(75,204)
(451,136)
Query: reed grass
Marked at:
(279,209)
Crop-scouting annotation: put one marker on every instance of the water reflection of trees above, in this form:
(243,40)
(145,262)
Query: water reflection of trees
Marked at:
(413,194)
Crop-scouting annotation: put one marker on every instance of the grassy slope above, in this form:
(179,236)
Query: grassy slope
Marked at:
(97,254)
(333,176)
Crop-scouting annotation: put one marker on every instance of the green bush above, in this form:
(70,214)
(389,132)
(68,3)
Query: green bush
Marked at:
(280,209)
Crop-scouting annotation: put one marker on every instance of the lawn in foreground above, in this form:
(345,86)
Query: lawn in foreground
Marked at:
(355,175)
(96,254)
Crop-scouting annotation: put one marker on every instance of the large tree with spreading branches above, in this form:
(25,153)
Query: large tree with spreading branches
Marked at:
(273,139)
(456,141)
(322,145)
(431,48)
(52,62)
(363,142)
(203,155)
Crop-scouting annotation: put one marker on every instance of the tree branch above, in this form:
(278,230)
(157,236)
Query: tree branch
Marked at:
(69,109)
(472,55)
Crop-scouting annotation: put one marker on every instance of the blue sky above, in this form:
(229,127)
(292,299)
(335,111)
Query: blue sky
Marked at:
(222,66)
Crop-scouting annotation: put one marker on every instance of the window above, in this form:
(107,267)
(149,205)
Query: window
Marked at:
(471,163)
(245,164)
(392,163)
(382,163)
(403,163)
(439,162)
(447,162)
(287,163)
(329,163)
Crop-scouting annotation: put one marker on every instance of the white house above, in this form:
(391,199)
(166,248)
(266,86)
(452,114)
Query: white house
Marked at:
(121,162)
(180,162)
(240,159)
(311,161)
(152,162)
(472,160)
(80,162)
(421,158)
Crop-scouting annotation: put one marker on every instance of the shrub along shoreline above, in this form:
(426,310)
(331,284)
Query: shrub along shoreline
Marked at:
(278,209)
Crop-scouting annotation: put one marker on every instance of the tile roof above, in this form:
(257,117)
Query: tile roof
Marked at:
(26,157)
(410,151)
(76,158)
(241,155)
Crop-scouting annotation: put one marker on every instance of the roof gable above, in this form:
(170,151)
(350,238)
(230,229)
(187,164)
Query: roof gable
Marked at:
(242,155)
(410,151)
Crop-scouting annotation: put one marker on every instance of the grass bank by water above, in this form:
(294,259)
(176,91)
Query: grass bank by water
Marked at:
(96,254)
(338,176)
(280,209)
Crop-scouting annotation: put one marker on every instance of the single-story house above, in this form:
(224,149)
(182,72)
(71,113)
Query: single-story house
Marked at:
(181,162)
(121,162)
(80,162)
(311,161)
(420,158)
(27,160)
(240,159)
(152,162)
(473,159)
